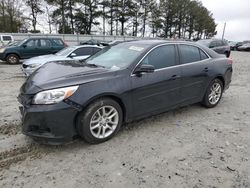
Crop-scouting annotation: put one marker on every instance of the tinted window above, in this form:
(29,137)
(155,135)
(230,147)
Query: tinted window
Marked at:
(7,38)
(58,42)
(203,55)
(45,43)
(83,51)
(189,54)
(32,43)
(161,57)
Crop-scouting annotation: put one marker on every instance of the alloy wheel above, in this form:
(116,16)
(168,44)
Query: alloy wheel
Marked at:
(104,122)
(215,93)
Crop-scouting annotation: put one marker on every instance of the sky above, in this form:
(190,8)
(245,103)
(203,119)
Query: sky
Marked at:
(236,15)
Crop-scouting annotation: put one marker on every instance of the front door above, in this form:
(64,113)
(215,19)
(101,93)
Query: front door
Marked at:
(30,49)
(152,92)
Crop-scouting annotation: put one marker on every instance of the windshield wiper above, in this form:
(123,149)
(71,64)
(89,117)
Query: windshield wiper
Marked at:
(94,65)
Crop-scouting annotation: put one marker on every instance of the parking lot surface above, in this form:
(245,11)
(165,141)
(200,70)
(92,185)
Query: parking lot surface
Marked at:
(188,147)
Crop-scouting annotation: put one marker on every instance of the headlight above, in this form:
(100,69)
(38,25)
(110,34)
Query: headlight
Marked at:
(2,50)
(54,96)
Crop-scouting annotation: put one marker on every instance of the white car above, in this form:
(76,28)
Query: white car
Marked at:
(69,53)
(6,39)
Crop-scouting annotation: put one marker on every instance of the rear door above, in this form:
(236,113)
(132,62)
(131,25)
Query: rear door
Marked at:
(152,92)
(195,69)
(45,47)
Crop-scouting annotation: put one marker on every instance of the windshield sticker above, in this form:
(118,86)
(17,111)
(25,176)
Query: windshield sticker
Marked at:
(136,48)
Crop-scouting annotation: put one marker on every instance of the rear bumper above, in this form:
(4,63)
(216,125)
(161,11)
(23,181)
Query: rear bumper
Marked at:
(51,124)
(228,78)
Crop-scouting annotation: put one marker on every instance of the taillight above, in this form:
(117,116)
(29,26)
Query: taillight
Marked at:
(230,61)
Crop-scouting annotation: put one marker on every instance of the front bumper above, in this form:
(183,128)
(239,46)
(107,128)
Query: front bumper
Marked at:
(51,124)
(2,56)
(27,71)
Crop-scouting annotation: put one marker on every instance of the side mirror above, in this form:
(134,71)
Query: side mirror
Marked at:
(144,68)
(24,45)
(72,55)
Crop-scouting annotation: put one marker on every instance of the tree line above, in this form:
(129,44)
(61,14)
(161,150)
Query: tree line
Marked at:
(142,18)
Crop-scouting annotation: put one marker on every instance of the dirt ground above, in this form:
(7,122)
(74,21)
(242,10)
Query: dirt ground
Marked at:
(188,147)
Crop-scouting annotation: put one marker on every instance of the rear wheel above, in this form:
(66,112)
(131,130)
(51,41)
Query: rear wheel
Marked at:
(100,121)
(213,94)
(12,59)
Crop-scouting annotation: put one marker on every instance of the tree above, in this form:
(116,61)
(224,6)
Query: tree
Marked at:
(11,17)
(35,6)
(59,14)
(86,16)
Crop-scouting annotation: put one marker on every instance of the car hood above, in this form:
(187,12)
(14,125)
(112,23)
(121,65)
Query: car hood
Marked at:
(44,59)
(62,74)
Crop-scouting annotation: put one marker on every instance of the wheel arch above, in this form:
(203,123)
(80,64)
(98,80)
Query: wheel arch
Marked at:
(9,53)
(221,78)
(112,96)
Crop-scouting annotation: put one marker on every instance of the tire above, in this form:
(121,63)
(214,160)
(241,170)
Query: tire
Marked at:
(96,127)
(212,98)
(12,59)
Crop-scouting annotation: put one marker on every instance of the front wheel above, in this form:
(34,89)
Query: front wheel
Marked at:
(100,121)
(12,59)
(213,94)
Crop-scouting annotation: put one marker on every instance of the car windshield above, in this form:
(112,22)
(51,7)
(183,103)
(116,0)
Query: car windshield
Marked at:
(22,42)
(118,56)
(65,51)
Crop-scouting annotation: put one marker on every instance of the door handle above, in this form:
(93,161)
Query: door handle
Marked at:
(174,77)
(206,69)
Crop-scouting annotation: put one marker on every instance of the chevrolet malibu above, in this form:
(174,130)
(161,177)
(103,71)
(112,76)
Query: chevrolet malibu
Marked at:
(121,83)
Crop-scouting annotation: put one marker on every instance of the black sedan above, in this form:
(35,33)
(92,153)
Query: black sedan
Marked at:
(121,83)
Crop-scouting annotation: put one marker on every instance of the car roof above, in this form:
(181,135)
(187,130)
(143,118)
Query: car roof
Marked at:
(158,42)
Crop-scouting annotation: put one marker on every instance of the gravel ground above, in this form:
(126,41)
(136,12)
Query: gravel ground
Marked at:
(189,147)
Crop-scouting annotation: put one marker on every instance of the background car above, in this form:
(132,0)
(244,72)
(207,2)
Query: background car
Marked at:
(121,83)
(74,52)
(6,39)
(219,46)
(31,47)
(244,47)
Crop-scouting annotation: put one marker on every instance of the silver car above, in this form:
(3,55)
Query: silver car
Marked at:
(69,53)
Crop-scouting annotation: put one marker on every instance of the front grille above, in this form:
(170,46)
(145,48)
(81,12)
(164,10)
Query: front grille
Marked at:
(25,66)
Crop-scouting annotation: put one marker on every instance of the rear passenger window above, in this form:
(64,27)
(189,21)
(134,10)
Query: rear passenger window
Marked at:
(189,54)
(58,42)
(161,57)
(45,43)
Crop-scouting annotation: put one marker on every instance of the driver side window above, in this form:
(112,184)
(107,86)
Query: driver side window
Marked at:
(161,57)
